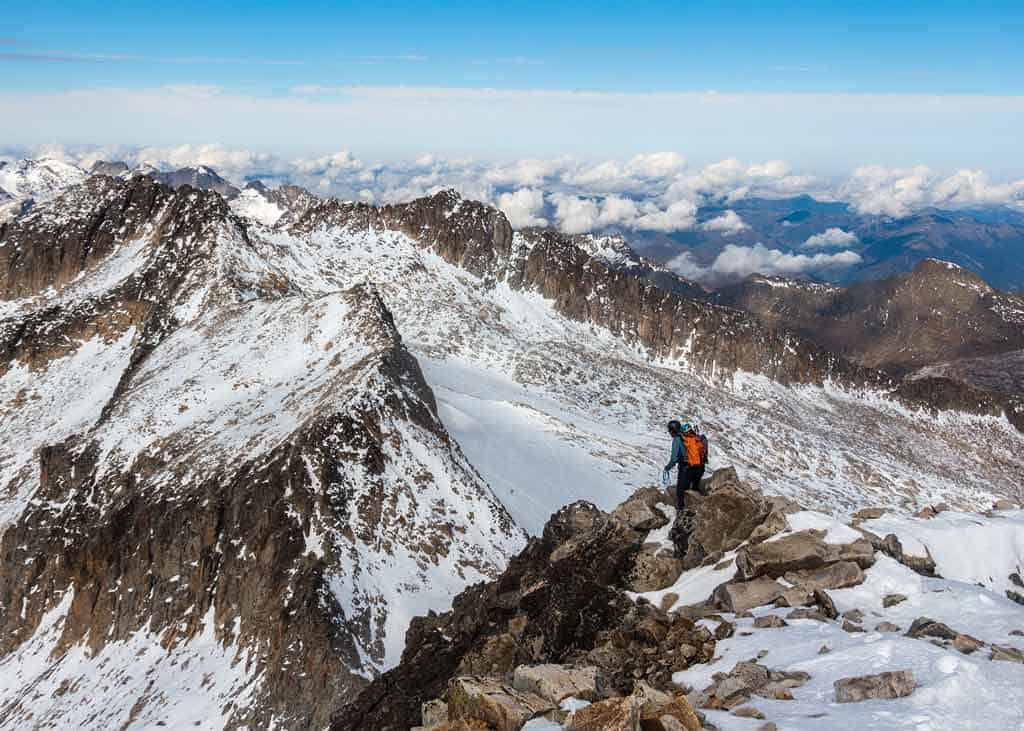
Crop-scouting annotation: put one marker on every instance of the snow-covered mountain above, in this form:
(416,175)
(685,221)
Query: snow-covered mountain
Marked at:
(26,182)
(259,444)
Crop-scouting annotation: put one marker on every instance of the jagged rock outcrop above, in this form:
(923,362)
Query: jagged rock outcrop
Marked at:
(259,471)
(562,600)
(719,520)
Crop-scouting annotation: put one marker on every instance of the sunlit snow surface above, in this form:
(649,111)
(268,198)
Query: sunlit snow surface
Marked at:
(551,410)
(546,409)
(954,691)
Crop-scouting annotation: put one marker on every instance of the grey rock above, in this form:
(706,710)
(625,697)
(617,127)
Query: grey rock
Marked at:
(898,684)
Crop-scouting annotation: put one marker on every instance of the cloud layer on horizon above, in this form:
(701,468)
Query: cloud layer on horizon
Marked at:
(655,192)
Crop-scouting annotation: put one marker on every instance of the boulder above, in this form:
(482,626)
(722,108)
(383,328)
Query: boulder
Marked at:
(722,519)
(795,552)
(967,644)
(1007,654)
(653,570)
(494,702)
(773,524)
(891,546)
(838,575)
(927,627)
(555,683)
(891,600)
(825,603)
(1004,504)
(676,715)
(898,684)
(614,714)
(794,596)
(868,514)
(849,626)
(748,712)
(641,510)
(434,712)
(743,595)
(770,621)
(807,613)
(887,627)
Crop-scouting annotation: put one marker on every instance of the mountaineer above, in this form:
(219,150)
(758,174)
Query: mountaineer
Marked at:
(690,452)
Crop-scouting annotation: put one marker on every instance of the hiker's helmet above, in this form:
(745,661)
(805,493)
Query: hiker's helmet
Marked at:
(674,427)
(687,428)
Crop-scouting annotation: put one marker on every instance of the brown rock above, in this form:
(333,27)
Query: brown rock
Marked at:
(653,570)
(967,644)
(491,701)
(669,600)
(824,650)
(555,683)
(770,620)
(1007,654)
(719,520)
(926,627)
(887,627)
(825,603)
(807,613)
(672,716)
(794,552)
(641,510)
(748,712)
(773,524)
(614,714)
(794,596)
(869,514)
(434,712)
(854,615)
(896,684)
(834,576)
(849,626)
(1004,504)
(892,600)
(744,595)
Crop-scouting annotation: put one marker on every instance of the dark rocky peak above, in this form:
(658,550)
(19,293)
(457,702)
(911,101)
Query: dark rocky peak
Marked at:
(38,179)
(111,168)
(59,240)
(201,178)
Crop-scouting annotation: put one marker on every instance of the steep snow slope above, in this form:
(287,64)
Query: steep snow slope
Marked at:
(551,410)
(974,554)
(256,483)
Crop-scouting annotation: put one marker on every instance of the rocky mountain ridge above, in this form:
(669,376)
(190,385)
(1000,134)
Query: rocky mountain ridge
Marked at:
(573,635)
(259,451)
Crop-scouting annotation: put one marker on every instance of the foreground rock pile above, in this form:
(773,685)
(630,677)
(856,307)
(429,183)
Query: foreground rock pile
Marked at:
(570,637)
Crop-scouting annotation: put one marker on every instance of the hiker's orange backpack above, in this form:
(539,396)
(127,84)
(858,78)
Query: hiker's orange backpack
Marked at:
(694,450)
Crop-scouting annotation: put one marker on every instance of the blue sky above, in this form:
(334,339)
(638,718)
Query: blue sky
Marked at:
(824,84)
(265,47)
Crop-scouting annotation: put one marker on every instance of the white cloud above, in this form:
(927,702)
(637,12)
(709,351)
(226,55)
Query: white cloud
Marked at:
(728,224)
(523,207)
(830,238)
(575,215)
(679,216)
(743,260)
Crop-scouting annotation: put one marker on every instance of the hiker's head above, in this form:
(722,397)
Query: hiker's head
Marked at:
(674,427)
(687,428)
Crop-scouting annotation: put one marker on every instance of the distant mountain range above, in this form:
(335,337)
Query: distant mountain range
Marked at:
(986,241)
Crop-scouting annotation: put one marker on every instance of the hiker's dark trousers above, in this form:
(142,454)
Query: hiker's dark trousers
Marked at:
(689,479)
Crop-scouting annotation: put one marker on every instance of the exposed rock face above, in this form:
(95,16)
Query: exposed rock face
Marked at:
(802,555)
(555,683)
(900,323)
(560,601)
(250,507)
(743,595)
(715,522)
(898,684)
(499,706)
